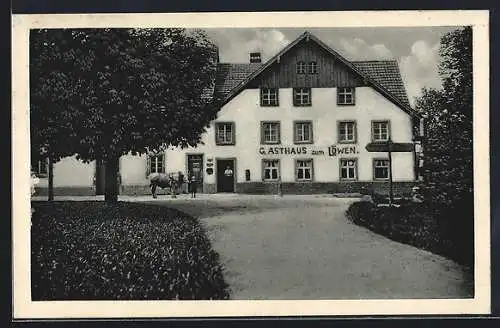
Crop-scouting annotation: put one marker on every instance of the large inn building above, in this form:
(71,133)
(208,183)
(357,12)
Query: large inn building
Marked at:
(304,118)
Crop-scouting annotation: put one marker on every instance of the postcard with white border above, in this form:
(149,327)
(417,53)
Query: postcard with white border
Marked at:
(250,164)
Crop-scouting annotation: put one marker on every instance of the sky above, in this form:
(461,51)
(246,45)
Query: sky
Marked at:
(415,48)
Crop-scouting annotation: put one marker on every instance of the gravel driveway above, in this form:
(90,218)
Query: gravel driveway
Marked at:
(304,248)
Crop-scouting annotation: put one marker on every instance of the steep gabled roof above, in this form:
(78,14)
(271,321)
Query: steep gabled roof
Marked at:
(384,76)
(387,74)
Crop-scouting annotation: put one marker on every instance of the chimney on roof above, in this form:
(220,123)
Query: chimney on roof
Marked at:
(255,57)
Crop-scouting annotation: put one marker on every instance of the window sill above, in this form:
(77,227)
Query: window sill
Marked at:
(345,142)
(299,105)
(348,180)
(381,179)
(270,143)
(353,104)
(303,142)
(276,105)
(225,144)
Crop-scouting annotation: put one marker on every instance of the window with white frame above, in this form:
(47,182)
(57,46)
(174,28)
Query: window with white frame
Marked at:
(304,169)
(270,132)
(301,67)
(269,97)
(380,131)
(224,134)
(312,67)
(345,96)
(39,167)
(348,169)
(302,96)
(347,131)
(303,132)
(156,163)
(271,169)
(381,169)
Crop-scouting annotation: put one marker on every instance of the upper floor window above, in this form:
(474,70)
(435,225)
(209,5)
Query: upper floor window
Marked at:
(224,133)
(269,97)
(302,96)
(156,163)
(347,132)
(303,132)
(39,167)
(345,96)
(301,67)
(381,169)
(312,67)
(270,132)
(348,169)
(380,131)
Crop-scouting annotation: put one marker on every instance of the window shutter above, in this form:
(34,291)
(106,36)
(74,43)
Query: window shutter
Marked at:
(279,132)
(294,96)
(262,96)
(233,132)
(164,162)
(353,96)
(295,138)
(311,136)
(148,165)
(262,133)
(296,170)
(277,96)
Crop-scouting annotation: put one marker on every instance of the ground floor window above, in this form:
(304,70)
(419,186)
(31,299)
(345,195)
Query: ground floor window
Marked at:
(271,169)
(348,169)
(156,163)
(381,169)
(304,169)
(39,166)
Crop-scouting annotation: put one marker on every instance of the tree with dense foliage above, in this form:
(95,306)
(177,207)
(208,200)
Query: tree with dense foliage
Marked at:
(104,93)
(448,144)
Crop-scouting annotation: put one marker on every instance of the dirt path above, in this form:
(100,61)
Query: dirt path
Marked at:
(293,248)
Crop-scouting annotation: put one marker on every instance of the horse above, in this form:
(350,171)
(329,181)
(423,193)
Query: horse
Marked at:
(163,180)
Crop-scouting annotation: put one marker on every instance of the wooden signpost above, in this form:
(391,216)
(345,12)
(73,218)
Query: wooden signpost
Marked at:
(390,147)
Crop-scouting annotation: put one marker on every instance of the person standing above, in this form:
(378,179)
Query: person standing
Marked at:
(193,185)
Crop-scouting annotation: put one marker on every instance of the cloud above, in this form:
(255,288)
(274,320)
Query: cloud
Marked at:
(358,49)
(235,47)
(420,68)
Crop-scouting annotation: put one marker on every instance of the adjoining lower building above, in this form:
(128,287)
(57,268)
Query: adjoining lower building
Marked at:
(308,120)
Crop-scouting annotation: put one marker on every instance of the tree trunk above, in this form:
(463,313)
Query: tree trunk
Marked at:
(51,179)
(111,185)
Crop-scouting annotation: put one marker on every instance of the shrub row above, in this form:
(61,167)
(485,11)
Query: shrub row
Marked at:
(445,231)
(124,251)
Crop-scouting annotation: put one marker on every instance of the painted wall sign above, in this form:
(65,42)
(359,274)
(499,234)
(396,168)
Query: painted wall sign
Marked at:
(302,150)
(342,150)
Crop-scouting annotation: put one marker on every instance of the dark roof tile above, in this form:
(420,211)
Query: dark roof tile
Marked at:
(385,72)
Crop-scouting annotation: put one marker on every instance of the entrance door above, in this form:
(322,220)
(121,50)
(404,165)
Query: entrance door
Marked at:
(225,175)
(100,177)
(195,167)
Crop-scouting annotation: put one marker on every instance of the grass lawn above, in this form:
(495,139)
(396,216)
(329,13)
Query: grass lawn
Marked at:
(125,251)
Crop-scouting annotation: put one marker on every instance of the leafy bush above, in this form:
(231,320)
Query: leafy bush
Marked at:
(124,251)
(421,226)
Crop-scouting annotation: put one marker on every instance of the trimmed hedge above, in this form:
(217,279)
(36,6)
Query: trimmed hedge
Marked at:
(447,232)
(123,251)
